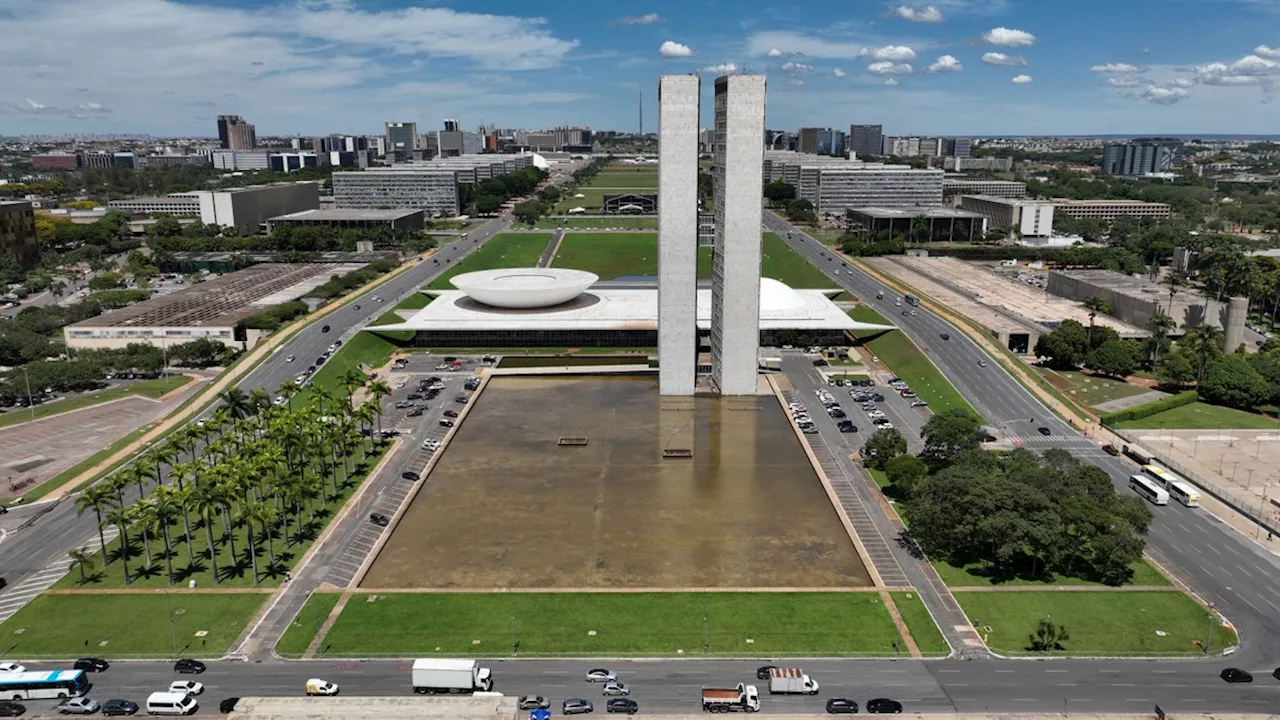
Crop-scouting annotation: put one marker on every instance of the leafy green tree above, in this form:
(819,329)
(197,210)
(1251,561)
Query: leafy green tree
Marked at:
(488,204)
(1204,342)
(1064,348)
(801,210)
(780,192)
(1233,381)
(529,212)
(1048,636)
(106,281)
(1117,358)
(905,472)
(950,432)
(1176,368)
(883,446)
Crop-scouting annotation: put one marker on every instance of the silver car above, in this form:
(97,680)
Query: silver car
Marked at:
(615,689)
(78,706)
(601,675)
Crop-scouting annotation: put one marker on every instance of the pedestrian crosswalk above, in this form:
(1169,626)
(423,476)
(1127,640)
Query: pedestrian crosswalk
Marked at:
(15,598)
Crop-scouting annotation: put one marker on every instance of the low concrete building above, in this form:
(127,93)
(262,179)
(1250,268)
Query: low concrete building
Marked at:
(978,186)
(1109,210)
(1024,218)
(209,309)
(1135,300)
(246,209)
(630,204)
(399,220)
(178,204)
(945,224)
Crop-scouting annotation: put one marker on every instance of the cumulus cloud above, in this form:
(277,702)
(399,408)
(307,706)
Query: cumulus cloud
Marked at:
(884,67)
(1009,37)
(1265,51)
(92,108)
(1115,68)
(1162,95)
(838,72)
(946,63)
(1248,70)
(896,53)
(891,82)
(1021,79)
(997,58)
(721,69)
(775,52)
(672,49)
(648,19)
(797,82)
(1124,81)
(31,107)
(926,14)
(795,68)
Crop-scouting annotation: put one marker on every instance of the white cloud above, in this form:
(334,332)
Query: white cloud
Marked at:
(946,63)
(891,82)
(926,14)
(92,107)
(648,19)
(1254,65)
(1124,82)
(1247,71)
(838,72)
(1009,37)
(721,69)
(1265,51)
(799,44)
(997,58)
(1160,95)
(795,68)
(1183,82)
(896,53)
(774,52)
(672,49)
(1021,79)
(885,67)
(1115,68)
(797,82)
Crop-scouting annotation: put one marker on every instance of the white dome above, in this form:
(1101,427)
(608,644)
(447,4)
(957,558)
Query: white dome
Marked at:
(776,296)
(524,287)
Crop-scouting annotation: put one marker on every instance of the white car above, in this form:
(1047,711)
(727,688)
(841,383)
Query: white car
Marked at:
(601,675)
(614,689)
(291,358)
(11,667)
(190,687)
(316,686)
(300,380)
(280,400)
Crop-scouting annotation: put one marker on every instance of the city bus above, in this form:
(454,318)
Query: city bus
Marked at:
(912,300)
(44,684)
(1149,490)
(1184,493)
(1164,477)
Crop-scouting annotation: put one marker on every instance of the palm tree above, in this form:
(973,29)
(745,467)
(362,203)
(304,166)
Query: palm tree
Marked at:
(207,500)
(162,455)
(352,379)
(1095,305)
(259,400)
(237,402)
(1205,342)
(80,560)
(379,389)
(141,515)
(287,390)
(1174,281)
(122,518)
(247,512)
(1160,325)
(266,515)
(181,497)
(165,502)
(99,497)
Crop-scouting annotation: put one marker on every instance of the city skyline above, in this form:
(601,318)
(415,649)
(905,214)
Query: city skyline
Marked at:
(947,67)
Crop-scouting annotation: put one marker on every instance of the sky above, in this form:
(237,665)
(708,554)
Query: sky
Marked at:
(933,67)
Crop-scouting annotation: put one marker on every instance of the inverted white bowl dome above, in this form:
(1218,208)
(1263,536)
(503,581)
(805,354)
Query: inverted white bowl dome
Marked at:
(776,296)
(524,287)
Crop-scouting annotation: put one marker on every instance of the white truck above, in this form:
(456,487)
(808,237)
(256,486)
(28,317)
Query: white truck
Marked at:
(791,681)
(743,698)
(438,675)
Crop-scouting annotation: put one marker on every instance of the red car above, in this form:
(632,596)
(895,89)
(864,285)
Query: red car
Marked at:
(451,413)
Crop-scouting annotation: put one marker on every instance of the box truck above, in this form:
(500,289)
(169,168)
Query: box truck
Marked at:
(431,676)
(743,698)
(791,680)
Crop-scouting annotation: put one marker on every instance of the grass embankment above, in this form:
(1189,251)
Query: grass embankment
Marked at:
(906,361)
(504,250)
(298,636)
(780,262)
(1089,389)
(977,576)
(146,388)
(609,255)
(1202,416)
(598,222)
(1099,623)
(128,625)
(640,179)
(920,624)
(614,624)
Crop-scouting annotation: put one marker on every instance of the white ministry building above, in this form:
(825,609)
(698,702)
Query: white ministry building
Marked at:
(678,100)
(735,275)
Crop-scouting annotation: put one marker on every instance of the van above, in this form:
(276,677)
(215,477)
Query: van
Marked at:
(170,703)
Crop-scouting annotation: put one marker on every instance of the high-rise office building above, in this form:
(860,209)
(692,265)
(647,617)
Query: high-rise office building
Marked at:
(678,101)
(402,138)
(451,126)
(959,147)
(866,140)
(236,134)
(735,274)
(18,233)
(1138,158)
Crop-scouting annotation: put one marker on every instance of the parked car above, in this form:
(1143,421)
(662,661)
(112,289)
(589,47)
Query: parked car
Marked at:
(576,706)
(12,709)
(451,413)
(841,706)
(461,399)
(188,666)
(190,687)
(884,705)
(379,519)
(77,706)
(534,702)
(622,705)
(416,412)
(446,422)
(119,707)
(1111,450)
(92,664)
(411,475)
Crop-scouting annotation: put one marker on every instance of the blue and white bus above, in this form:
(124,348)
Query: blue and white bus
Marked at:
(44,684)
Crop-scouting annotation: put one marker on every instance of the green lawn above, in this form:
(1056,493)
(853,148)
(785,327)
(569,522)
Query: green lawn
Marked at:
(304,627)
(633,179)
(598,222)
(367,349)
(615,624)
(974,576)
(416,301)
(780,262)
(907,362)
(1089,389)
(1202,416)
(128,625)
(609,255)
(856,377)
(920,624)
(504,250)
(146,388)
(1099,623)
(879,476)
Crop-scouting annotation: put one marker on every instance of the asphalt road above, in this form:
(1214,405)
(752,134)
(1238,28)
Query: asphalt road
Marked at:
(1234,573)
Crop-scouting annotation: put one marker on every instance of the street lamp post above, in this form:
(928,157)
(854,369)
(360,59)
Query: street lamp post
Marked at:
(30,405)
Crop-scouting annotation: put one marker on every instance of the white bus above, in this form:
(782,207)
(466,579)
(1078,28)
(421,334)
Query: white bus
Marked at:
(1149,490)
(1184,493)
(44,684)
(1164,478)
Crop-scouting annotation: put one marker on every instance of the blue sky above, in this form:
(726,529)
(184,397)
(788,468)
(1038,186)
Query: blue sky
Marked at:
(981,67)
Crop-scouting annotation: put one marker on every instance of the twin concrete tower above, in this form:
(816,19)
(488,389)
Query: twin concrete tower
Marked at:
(735,277)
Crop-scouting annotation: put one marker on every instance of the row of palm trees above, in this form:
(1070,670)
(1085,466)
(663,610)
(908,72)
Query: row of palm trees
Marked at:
(269,469)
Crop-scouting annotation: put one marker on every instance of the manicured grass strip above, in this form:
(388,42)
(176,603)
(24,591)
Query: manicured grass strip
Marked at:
(650,624)
(780,262)
(1202,416)
(297,638)
(504,250)
(609,255)
(906,361)
(920,624)
(882,480)
(974,576)
(416,301)
(1099,623)
(365,348)
(599,222)
(1089,389)
(146,388)
(128,625)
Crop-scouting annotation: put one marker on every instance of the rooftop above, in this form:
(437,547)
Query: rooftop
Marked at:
(226,300)
(1009,200)
(1135,286)
(1134,203)
(929,211)
(347,214)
